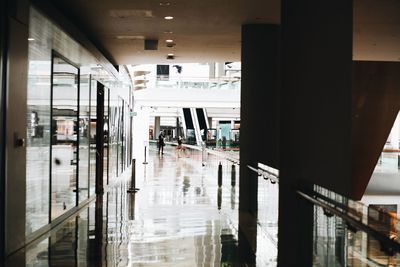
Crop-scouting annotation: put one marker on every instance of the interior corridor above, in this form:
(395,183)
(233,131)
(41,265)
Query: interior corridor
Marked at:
(180,217)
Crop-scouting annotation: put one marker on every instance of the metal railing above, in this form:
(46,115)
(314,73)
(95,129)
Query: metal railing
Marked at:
(266,174)
(331,208)
(200,83)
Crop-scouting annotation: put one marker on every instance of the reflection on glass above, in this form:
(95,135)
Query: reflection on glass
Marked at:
(106,135)
(337,244)
(38,140)
(84,119)
(64,136)
(113,136)
(92,133)
(120,135)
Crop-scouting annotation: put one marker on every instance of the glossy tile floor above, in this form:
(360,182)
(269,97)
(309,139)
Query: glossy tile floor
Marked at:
(180,217)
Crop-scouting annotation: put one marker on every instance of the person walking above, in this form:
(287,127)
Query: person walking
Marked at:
(180,148)
(161,143)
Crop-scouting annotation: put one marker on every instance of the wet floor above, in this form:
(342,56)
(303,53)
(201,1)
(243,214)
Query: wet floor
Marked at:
(180,217)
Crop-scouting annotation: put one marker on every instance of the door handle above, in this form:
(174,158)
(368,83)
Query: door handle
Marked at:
(19,142)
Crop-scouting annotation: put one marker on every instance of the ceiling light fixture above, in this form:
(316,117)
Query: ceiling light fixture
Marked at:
(170,54)
(31,39)
(169,41)
(168,17)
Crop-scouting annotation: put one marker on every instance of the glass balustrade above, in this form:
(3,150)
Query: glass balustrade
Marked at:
(200,83)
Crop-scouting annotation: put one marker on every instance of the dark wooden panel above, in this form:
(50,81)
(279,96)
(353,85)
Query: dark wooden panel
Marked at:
(376,102)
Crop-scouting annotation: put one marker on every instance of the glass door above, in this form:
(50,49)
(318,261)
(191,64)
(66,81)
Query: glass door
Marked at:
(106,134)
(64,135)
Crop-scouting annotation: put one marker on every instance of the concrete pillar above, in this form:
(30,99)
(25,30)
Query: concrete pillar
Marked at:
(259,112)
(220,69)
(315,116)
(3,65)
(211,73)
(209,122)
(15,122)
(157,127)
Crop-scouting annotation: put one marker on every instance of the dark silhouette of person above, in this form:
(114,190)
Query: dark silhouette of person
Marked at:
(161,143)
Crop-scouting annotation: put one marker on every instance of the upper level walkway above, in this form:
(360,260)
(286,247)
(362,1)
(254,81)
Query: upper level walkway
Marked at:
(180,217)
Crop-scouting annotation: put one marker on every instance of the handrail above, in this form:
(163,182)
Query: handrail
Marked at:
(266,174)
(224,155)
(388,245)
(351,210)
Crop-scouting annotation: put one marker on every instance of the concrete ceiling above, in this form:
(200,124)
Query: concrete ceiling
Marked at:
(210,30)
(203,31)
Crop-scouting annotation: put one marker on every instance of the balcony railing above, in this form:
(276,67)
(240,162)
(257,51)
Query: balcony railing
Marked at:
(199,83)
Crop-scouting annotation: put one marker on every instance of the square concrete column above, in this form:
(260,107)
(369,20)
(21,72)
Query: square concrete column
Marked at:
(315,132)
(157,128)
(259,123)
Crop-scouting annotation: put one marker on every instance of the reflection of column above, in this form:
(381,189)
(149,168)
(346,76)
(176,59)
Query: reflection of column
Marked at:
(219,198)
(364,236)
(209,122)
(96,254)
(157,128)
(178,128)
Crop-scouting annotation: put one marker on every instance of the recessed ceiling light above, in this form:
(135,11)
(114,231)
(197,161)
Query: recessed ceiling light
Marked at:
(165,3)
(170,54)
(168,17)
(130,37)
(169,41)
(31,39)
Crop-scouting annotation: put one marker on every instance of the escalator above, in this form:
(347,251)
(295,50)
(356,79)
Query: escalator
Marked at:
(190,131)
(201,117)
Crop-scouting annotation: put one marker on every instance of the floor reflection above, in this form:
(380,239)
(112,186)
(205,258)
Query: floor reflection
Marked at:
(180,217)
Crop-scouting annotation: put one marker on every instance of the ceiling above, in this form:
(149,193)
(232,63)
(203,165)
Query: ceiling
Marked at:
(210,30)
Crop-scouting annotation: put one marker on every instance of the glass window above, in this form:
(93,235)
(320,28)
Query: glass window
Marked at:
(38,137)
(113,146)
(64,136)
(106,135)
(93,120)
(84,122)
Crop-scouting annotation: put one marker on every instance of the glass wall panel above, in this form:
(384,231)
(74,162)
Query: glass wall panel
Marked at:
(61,139)
(113,140)
(120,135)
(64,136)
(84,122)
(106,134)
(93,119)
(38,134)
(126,135)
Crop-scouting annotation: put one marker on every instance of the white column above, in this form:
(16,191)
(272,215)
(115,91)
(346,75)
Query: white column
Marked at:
(157,128)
